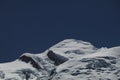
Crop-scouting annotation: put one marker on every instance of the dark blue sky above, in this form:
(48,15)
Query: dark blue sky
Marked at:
(33,26)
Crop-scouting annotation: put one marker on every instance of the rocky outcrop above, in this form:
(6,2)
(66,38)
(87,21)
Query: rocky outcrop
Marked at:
(28,59)
(58,59)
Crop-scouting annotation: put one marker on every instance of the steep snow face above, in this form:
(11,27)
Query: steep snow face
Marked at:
(106,52)
(72,48)
(102,65)
(27,67)
(8,71)
(70,59)
(89,69)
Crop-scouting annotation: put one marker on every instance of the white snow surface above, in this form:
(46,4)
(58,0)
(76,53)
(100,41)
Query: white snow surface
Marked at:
(72,48)
(85,62)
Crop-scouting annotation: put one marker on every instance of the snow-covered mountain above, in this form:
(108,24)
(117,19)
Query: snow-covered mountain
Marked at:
(70,59)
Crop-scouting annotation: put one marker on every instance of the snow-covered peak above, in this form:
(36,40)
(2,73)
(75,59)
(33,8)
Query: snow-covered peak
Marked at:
(70,59)
(72,48)
(73,43)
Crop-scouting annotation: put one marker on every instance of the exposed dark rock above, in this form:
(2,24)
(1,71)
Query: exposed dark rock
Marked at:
(74,51)
(58,59)
(65,70)
(2,75)
(108,57)
(29,59)
(52,72)
(97,63)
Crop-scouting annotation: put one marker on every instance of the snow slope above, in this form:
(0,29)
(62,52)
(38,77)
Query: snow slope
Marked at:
(70,59)
(72,48)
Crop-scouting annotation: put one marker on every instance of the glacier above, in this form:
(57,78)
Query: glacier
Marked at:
(69,59)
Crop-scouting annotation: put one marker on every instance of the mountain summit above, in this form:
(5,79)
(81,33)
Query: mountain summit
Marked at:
(70,59)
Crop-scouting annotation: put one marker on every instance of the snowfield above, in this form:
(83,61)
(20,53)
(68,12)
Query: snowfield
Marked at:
(70,59)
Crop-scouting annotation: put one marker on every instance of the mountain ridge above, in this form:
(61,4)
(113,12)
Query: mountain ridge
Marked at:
(70,59)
